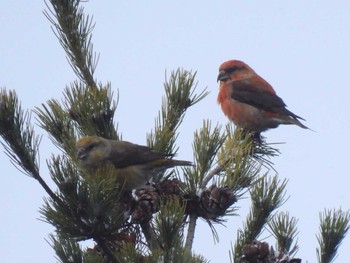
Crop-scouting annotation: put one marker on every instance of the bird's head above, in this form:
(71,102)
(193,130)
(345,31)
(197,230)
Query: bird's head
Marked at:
(91,151)
(234,70)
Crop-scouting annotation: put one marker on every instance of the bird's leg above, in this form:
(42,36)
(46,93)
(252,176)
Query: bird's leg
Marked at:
(257,138)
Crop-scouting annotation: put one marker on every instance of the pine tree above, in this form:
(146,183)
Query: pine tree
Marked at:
(156,223)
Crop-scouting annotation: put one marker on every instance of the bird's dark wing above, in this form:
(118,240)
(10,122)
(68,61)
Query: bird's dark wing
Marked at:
(247,92)
(125,154)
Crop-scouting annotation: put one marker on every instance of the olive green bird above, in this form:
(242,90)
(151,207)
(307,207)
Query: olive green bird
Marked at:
(134,165)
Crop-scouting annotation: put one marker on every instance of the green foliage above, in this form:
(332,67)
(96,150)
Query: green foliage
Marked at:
(57,122)
(267,195)
(73,30)
(67,251)
(92,109)
(20,143)
(284,229)
(179,96)
(237,161)
(86,111)
(91,206)
(333,228)
(207,142)
(168,224)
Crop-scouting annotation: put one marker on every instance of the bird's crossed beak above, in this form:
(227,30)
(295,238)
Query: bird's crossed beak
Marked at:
(81,153)
(223,75)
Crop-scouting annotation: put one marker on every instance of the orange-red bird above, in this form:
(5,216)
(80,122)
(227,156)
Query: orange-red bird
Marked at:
(249,101)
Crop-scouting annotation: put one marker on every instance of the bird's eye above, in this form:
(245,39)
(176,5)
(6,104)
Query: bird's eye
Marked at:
(91,146)
(83,152)
(232,70)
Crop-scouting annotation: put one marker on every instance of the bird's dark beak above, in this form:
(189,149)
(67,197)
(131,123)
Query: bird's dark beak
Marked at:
(81,153)
(223,75)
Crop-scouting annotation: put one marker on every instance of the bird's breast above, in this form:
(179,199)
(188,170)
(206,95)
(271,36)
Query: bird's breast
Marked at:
(244,115)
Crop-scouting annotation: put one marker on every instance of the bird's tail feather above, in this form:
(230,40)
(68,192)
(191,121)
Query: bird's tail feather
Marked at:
(168,163)
(294,119)
(297,122)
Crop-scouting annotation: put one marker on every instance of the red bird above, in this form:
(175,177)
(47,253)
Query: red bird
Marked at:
(249,101)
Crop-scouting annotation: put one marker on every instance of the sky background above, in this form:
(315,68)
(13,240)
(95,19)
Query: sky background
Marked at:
(302,48)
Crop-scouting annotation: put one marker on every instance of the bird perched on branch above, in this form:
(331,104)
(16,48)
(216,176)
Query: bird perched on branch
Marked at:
(249,101)
(133,165)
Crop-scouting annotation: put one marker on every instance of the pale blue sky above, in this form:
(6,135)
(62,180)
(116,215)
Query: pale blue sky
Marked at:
(301,47)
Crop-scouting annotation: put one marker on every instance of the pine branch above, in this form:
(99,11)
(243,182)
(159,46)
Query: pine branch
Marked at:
(92,109)
(207,142)
(85,111)
(150,236)
(90,105)
(238,162)
(73,30)
(93,208)
(20,143)
(67,251)
(284,229)
(237,168)
(333,228)
(107,252)
(190,232)
(179,96)
(169,227)
(240,144)
(215,171)
(92,205)
(267,195)
(57,122)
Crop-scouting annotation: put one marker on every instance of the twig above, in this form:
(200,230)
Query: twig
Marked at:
(150,236)
(190,232)
(47,188)
(210,175)
(111,258)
